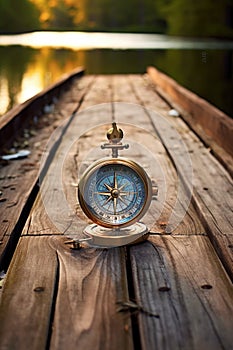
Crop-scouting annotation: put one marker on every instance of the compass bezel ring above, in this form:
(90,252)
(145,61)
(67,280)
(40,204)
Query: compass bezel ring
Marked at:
(114,193)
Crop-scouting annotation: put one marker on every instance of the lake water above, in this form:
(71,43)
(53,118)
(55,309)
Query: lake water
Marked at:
(30,62)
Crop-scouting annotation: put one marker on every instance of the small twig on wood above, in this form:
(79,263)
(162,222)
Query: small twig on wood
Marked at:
(130,306)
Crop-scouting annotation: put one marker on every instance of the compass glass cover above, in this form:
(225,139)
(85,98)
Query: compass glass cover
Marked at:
(115,194)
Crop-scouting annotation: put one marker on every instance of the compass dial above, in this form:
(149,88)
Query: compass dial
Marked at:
(114,192)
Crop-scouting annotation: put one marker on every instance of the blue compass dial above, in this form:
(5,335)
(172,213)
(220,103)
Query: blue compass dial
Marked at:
(114,194)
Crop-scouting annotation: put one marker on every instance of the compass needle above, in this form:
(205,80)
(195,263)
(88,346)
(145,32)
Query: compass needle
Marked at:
(103,193)
(107,200)
(115,205)
(128,193)
(123,200)
(115,180)
(108,187)
(121,188)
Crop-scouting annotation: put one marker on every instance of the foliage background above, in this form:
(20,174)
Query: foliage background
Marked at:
(206,18)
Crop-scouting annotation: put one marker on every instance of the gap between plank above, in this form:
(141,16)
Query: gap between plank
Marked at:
(53,306)
(213,239)
(132,297)
(8,253)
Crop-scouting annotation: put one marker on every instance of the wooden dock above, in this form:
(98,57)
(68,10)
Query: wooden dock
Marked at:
(173,291)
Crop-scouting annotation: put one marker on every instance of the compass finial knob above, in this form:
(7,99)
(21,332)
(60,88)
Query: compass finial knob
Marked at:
(114,134)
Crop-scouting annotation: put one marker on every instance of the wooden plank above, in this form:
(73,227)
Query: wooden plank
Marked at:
(18,178)
(210,181)
(70,164)
(185,296)
(73,295)
(172,212)
(202,175)
(54,189)
(214,122)
(80,148)
(27,297)
(92,283)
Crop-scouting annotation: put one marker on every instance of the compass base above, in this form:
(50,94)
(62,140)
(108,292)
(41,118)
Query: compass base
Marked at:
(104,237)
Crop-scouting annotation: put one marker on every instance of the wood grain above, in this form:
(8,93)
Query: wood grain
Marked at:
(171,292)
(84,287)
(213,121)
(92,283)
(202,175)
(18,179)
(27,297)
(58,187)
(173,208)
(91,301)
(180,280)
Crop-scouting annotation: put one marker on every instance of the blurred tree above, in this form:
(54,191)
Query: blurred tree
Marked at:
(15,17)
(136,15)
(175,17)
(197,18)
(60,15)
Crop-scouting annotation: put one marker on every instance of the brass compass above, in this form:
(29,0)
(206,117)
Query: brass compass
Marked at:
(115,193)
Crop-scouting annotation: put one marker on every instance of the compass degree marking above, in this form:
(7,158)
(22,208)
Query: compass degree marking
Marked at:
(115,193)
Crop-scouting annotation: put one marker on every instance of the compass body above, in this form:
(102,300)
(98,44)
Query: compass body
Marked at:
(115,192)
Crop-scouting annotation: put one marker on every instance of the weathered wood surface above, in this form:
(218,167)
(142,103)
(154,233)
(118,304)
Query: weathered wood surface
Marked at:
(68,298)
(186,287)
(212,125)
(171,292)
(19,179)
(209,182)
(214,122)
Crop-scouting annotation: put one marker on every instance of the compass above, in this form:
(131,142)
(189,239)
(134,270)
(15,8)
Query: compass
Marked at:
(115,193)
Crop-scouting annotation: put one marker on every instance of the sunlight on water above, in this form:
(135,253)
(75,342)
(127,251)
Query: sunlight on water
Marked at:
(30,62)
(88,41)
(4,95)
(32,83)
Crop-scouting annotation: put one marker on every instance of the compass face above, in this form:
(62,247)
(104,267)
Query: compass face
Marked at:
(114,192)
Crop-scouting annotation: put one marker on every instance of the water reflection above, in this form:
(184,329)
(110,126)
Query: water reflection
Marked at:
(24,71)
(206,72)
(4,95)
(13,64)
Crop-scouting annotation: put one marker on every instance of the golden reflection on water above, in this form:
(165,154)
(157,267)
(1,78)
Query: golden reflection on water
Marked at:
(4,95)
(42,72)
(32,83)
(25,71)
(44,68)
